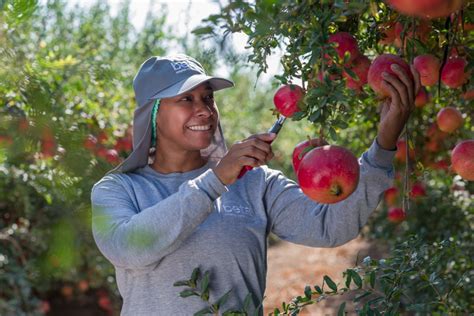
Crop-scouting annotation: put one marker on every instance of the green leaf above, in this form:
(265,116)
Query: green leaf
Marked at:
(332,133)
(194,277)
(351,73)
(205,295)
(188,293)
(204,311)
(359,297)
(376,300)
(365,309)
(234,313)
(330,283)
(205,286)
(342,124)
(342,308)
(357,278)
(318,289)
(372,279)
(307,291)
(315,115)
(348,280)
(247,301)
(298,116)
(223,299)
(182,283)
(206,30)
(305,151)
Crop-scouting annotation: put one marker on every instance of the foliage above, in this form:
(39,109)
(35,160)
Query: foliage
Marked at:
(415,279)
(198,285)
(301,29)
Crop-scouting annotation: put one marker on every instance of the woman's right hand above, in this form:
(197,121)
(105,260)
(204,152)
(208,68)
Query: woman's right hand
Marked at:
(254,151)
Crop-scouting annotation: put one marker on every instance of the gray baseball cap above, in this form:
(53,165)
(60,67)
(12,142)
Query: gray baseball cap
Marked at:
(165,77)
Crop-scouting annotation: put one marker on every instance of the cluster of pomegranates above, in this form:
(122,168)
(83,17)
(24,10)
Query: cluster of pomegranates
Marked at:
(328,173)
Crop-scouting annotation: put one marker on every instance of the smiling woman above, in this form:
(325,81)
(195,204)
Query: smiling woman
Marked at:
(156,221)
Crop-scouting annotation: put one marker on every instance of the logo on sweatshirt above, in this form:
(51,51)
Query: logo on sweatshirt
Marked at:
(231,207)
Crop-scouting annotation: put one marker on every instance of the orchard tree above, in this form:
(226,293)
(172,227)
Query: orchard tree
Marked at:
(337,51)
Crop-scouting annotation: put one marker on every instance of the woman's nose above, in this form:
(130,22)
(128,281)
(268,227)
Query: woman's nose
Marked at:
(203,109)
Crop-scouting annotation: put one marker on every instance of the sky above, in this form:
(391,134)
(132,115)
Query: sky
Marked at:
(192,11)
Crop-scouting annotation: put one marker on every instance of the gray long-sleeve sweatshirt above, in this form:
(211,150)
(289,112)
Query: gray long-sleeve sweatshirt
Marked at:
(156,228)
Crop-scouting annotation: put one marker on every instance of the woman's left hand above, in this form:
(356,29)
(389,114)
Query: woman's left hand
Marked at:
(397,108)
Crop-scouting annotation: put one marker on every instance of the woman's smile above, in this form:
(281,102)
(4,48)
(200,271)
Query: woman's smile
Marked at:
(200,128)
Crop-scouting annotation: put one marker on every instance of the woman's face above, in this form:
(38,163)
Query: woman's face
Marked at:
(188,121)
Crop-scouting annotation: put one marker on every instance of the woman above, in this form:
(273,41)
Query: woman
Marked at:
(157,219)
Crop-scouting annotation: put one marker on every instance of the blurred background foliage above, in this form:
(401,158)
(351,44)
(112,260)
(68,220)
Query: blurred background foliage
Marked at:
(66,104)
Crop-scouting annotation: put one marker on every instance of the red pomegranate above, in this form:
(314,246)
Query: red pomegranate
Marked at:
(400,155)
(418,190)
(388,31)
(428,67)
(90,142)
(390,196)
(345,43)
(360,66)
(421,32)
(112,156)
(5,140)
(396,215)
(412,7)
(328,174)
(286,99)
(444,9)
(48,143)
(468,95)
(422,98)
(303,148)
(382,64)
(426,8)
(462,159)
(454,72)
(449,119)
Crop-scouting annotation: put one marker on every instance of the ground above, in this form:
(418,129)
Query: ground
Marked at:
(291,267)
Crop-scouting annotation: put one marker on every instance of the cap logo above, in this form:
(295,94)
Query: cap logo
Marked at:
(181,66)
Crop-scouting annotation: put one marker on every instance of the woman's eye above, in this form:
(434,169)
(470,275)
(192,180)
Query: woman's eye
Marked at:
(186,99)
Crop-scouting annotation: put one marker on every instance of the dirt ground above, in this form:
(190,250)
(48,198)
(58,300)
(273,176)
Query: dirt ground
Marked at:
(291,267)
